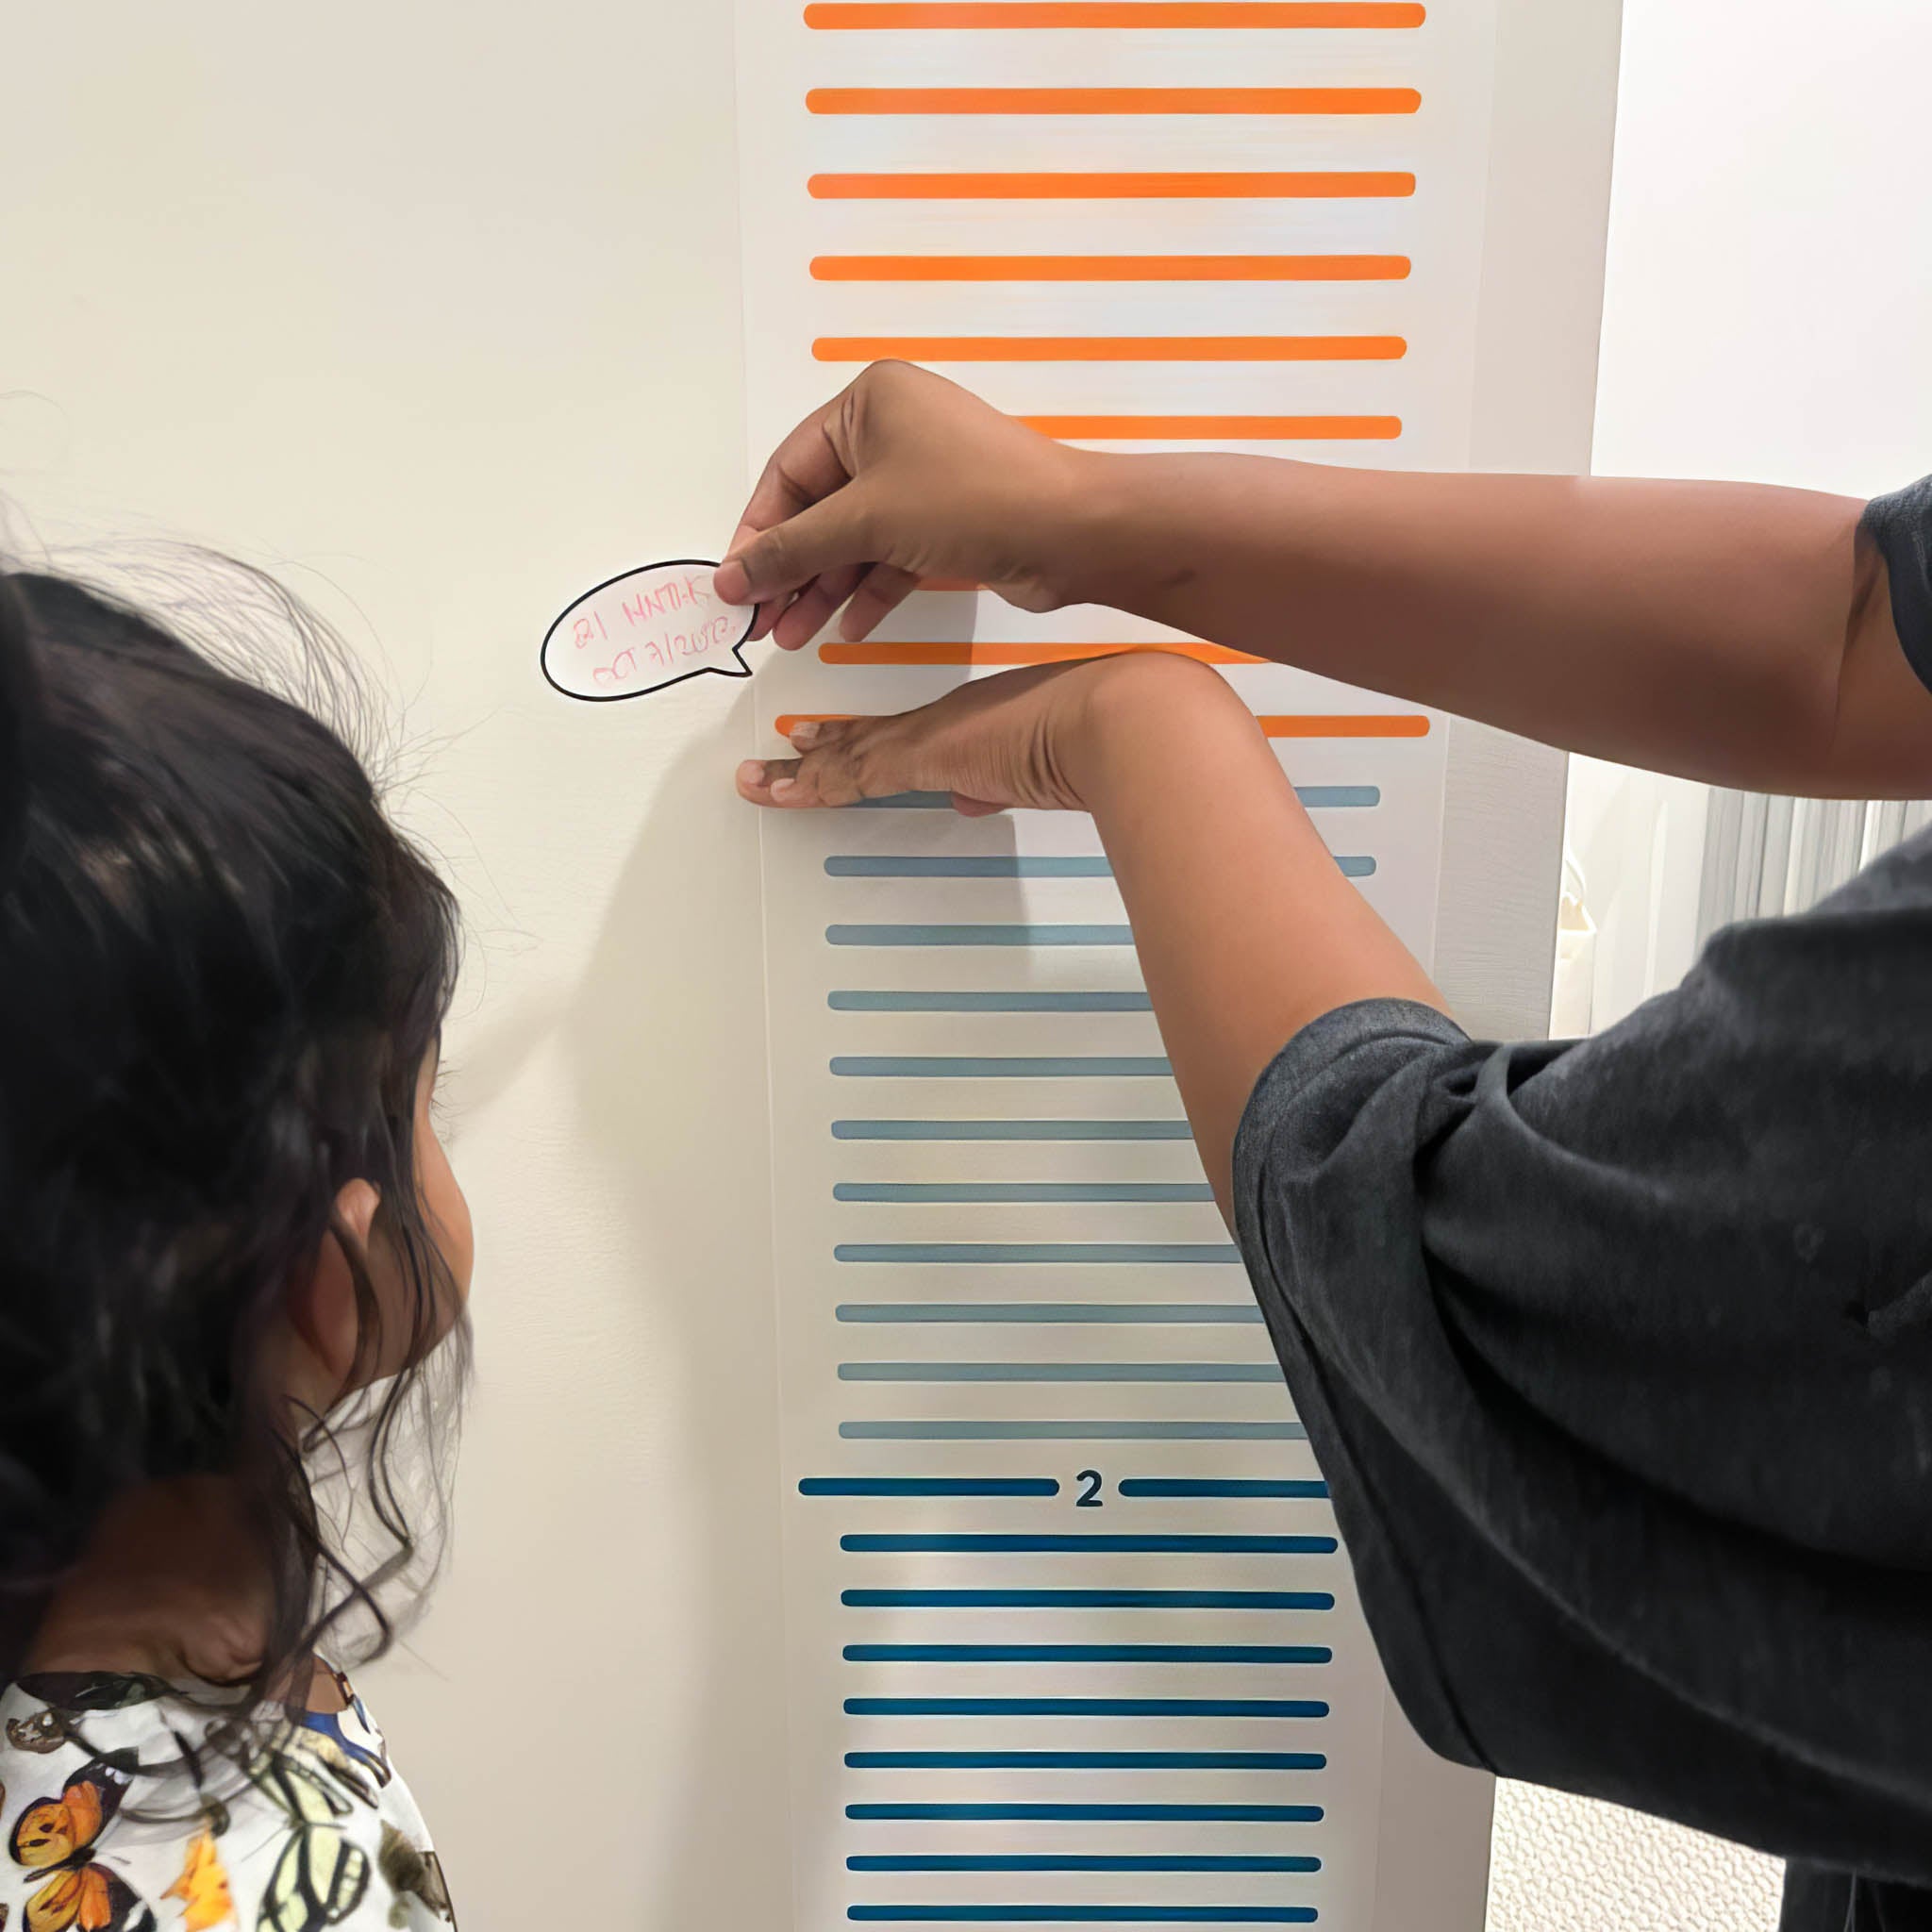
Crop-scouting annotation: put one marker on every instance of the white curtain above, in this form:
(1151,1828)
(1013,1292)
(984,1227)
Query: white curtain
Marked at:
(1767,855)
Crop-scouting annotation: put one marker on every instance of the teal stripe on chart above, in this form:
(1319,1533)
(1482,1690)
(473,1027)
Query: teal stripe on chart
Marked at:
(975,1431)
(1087,1599)
(1075,1861)
(1008,866)
(980,935)
(928,1485)
(1220,1485)
(1022,1192)
(1086,1707)
(1011,1130)
(1106,1314)
(1011,1254)
(848,1066)
(910,1543)
(1316,797)
(847,1000)
(1001,865)
(1095,1814)
(1072,1861)
(1087,1653)
(1060,1915)
(1059,1372)
(1084,1760)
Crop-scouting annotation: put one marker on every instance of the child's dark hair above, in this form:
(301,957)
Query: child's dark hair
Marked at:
(221,970)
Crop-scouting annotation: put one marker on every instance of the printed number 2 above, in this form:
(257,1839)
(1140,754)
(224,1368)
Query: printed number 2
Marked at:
(1088,1498)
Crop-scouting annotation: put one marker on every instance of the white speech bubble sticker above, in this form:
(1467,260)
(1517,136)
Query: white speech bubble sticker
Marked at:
(650,628)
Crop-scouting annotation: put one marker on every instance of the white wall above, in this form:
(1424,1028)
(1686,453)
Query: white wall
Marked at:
(1767,310)
(442,321)
(245,295)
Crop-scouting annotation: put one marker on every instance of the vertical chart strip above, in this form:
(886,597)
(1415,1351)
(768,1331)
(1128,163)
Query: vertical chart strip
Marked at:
(1070,1635)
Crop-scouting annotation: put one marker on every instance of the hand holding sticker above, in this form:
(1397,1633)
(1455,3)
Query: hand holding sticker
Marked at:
(651,627)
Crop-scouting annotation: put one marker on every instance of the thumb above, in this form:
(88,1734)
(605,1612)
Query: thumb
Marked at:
(819,537)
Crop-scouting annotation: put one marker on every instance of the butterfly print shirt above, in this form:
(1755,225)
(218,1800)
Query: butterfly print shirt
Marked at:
(128,1804)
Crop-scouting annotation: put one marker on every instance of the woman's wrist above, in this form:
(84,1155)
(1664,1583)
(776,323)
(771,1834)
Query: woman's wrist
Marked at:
(1133,716)
(1143,531)
(1104,532)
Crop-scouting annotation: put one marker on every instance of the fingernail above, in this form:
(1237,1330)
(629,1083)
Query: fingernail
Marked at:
(752,771)
(729,583)
(805,732)
(782,788)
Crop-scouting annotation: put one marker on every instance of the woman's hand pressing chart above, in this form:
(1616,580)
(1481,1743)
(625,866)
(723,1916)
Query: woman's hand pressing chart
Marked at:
(1246,929)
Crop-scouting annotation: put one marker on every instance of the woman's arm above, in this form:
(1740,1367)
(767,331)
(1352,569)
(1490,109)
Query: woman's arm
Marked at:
(1246,929)
(1731,632)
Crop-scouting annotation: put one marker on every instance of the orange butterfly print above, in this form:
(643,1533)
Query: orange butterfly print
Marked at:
(57,1836)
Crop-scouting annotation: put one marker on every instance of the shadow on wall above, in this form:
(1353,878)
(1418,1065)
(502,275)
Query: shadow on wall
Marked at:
(638,1037)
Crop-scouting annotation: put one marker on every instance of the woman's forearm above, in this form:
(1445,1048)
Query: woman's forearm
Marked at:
(1245,927)
(1696,627)
(1724,632)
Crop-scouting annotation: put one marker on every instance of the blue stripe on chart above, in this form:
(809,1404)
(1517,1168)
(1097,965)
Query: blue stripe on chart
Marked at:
(909,1542)
(1087,1653)
(1011,1130)
(1000,1067)
(928,1485)
(980,935)
(1059,1372)
(857,1000)
(1023,1191)
(1221,1486)
(1075,1861)
(955,1431)
(989,865)
(1316,797)
(1060,1915)
(1084,1760)
(1124,1314)
(1011,1254)
(1084,1707)
(1087,1599)
(1008,866)
(1094,1814)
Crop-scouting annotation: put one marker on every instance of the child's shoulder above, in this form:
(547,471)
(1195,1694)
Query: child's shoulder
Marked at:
(122,1809)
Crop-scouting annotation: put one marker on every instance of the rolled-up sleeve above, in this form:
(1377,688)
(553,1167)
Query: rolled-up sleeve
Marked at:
(1618,1357)
(1900,525)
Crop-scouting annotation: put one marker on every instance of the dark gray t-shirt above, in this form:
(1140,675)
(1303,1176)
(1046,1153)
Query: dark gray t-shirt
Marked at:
(1618,1356)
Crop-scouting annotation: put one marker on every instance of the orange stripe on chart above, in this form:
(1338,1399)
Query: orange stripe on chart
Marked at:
(981,651)
(1148,187)
(1217,428)
(1110,348)
(1112,100)
(1109,268)
(1346,724)
(1292,725)
(861,15)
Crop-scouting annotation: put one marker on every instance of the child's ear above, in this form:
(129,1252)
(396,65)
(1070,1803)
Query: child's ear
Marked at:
(323,1309)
